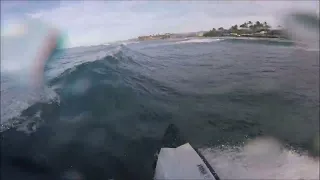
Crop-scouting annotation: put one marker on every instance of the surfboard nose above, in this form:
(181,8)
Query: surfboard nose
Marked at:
(172,137)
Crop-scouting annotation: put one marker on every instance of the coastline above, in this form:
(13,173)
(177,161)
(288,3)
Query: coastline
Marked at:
(223,37)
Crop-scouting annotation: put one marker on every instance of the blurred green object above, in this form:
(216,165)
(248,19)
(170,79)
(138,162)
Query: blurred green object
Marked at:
(61,41)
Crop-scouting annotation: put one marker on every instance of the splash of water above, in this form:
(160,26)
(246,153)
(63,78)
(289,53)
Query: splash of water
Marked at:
(262,158)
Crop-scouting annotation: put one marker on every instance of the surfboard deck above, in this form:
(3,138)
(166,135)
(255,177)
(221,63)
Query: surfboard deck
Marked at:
(177,159)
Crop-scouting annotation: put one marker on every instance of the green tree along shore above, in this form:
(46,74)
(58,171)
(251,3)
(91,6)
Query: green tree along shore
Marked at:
(248,29)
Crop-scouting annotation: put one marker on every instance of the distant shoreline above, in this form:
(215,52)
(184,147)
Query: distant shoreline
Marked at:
(222,37)
(247,30)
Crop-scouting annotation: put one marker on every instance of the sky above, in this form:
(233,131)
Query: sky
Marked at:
(97,22)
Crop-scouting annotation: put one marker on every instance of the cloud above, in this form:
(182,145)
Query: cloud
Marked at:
(94,22)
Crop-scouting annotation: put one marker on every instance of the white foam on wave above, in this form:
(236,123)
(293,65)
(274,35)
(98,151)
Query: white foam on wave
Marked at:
(261,159)
(16,98)
(130,42)
(198,41)
(306,48)
(185,41)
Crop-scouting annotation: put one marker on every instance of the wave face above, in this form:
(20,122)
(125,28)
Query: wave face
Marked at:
(105,108)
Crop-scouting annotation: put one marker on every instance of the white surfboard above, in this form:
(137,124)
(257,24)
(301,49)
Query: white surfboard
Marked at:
(182,162)
(177,159)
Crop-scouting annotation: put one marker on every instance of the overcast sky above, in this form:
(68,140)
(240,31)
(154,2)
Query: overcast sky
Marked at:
(95,22)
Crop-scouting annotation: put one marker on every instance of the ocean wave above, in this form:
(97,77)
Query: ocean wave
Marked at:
(27,117)
(116,69)
(16,99)
(74,74)
(18,94)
